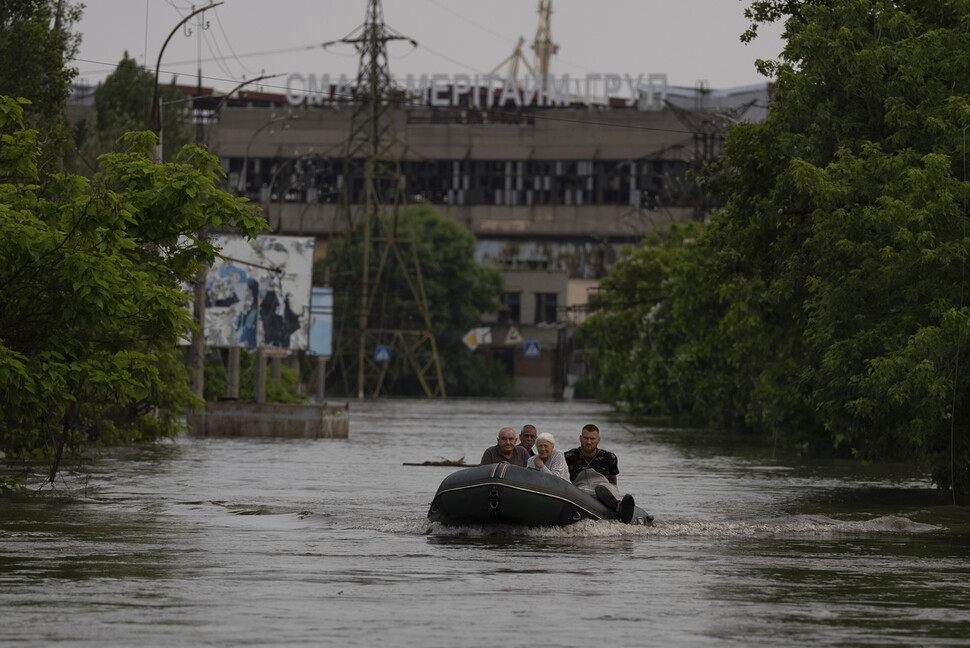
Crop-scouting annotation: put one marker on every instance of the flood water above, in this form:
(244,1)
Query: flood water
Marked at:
(210,542)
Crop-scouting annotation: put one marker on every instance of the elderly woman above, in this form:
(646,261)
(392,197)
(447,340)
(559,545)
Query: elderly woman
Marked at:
(547,459)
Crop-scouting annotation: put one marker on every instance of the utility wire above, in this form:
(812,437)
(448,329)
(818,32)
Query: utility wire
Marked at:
(229,45)
(444,7)
(220,57)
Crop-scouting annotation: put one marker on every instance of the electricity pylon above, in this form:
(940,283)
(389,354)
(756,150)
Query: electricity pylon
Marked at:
(373,198)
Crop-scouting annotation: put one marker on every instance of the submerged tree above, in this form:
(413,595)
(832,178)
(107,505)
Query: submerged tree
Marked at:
(92,307)
(833,277)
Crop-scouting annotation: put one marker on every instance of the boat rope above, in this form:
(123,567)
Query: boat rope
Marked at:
(495,501)
(589,462)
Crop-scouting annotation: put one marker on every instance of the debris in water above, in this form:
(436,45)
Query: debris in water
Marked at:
(443,462)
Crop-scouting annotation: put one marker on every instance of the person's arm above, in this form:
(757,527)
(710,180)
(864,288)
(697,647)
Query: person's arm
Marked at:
(563,469)
(559,467)
(569,470)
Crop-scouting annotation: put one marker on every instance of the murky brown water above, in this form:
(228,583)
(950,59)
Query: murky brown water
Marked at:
(282,543)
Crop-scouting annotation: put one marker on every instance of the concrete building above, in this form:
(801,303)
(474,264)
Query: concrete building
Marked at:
(551,192)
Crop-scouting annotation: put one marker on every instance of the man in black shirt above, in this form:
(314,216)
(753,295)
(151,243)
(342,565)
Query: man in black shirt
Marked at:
(588,456)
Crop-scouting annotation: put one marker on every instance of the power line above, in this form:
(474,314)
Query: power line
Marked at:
(229,45)
(284,50)
(470,21)
(449,59)
(220,58)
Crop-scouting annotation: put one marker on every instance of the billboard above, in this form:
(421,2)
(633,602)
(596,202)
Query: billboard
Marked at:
(257,292)
(321,322)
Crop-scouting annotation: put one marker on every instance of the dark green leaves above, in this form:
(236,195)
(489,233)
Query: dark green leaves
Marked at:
(829,302)
(92,307)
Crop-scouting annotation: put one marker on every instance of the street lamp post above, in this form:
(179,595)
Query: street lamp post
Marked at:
(156,107)
(162,104)
(198,343)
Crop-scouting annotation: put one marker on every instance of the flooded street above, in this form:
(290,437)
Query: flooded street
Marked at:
(284,543)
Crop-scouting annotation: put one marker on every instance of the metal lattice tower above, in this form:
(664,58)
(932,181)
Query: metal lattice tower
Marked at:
(373,200)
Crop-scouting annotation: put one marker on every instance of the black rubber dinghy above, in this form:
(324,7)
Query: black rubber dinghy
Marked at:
(507,494)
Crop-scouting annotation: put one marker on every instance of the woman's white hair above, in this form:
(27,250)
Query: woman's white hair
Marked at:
(545,436)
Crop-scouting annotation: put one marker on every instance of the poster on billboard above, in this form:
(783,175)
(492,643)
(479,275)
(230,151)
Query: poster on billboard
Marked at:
(257,292)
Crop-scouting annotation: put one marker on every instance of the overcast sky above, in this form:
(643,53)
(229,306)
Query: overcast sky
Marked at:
(688,40)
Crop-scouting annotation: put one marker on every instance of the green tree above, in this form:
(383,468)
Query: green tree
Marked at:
(654,329)
(35,43)
(284,390)
(459,291)
(123,103)
(834,271)
(92,308)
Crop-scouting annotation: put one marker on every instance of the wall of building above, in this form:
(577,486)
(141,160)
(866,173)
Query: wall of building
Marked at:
(516,330)
(551,195)
(562,134)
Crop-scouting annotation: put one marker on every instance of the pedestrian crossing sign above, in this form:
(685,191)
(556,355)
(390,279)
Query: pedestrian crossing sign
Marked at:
(382,354)
(531,349)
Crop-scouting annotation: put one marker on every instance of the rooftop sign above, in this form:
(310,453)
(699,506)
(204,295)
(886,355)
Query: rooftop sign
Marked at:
(494,90)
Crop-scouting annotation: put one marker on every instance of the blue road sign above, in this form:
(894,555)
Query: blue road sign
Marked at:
(531,349)
(382,354)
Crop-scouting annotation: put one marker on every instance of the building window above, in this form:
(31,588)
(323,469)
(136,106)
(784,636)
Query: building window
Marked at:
(511,313)
(546,305)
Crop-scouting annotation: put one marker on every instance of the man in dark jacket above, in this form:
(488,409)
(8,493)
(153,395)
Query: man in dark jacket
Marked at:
(588,456)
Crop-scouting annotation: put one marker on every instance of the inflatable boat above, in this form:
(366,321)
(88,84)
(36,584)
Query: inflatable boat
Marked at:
(507,494)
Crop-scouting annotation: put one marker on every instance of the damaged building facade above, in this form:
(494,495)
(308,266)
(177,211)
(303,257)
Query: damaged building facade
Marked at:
(551,192)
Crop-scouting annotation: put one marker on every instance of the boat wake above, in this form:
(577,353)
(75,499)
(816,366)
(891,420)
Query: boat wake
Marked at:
(799,525)
(795,526)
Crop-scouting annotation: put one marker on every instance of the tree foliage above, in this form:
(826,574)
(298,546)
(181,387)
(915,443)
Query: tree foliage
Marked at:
(123,103)
(35,43)
(458,290)
(92,307)
(826,302)
(284,390)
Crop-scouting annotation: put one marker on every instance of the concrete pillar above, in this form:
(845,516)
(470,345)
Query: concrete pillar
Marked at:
(232,374)
(293,362)
(321,378)
(197,371)
(259,389)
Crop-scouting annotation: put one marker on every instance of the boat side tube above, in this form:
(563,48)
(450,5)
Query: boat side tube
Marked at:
(507,494)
